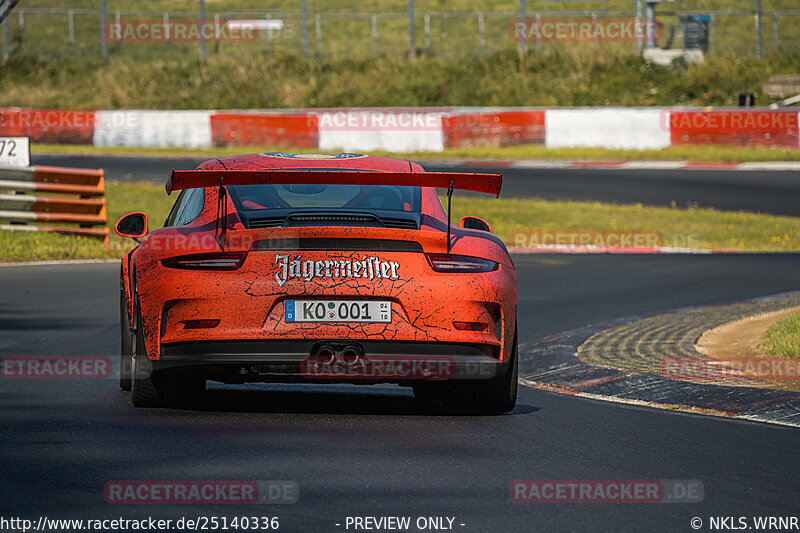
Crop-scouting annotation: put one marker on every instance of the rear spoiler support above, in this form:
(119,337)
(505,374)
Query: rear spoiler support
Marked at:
(449,216)
(221,224)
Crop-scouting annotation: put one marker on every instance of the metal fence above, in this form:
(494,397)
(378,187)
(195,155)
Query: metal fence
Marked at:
(84,33)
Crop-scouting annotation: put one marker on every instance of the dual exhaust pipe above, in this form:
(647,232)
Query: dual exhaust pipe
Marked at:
(346,353)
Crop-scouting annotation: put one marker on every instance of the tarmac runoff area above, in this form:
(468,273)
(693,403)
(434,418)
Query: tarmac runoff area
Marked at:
(660,361)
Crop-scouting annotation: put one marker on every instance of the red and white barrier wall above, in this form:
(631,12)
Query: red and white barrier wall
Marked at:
(409,129)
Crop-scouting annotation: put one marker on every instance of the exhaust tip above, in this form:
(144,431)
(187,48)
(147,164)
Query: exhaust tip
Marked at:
(326,354)
(351,355)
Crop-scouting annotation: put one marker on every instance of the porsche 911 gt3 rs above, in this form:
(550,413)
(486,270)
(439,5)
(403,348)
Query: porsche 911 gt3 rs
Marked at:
(319,268)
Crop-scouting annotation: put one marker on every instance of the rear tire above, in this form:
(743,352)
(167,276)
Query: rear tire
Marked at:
(489,396)
(156,388)
(144,392)
(126,346)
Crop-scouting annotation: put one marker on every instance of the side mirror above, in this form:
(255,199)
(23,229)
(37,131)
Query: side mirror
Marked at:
(133,225)
(475,223)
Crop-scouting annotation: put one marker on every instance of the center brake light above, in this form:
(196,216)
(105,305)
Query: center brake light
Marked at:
(207,261)
(459,263)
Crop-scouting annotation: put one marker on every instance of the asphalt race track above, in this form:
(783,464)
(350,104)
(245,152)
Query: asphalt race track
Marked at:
(361,452)
(376,451)
(766,191)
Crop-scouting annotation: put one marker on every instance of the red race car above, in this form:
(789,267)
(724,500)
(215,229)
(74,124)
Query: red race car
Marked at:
(319,268)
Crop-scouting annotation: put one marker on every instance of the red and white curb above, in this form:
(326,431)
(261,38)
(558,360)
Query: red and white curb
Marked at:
(764,166)
(412,129)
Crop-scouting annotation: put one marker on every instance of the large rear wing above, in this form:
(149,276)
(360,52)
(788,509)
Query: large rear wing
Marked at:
(195,179)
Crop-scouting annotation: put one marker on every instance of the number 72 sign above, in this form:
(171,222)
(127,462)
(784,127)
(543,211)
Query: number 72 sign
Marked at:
(15,152)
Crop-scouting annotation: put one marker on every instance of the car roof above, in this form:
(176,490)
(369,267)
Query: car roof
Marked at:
(312,161)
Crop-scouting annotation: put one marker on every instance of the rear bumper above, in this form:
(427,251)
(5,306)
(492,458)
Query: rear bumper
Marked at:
(297,360)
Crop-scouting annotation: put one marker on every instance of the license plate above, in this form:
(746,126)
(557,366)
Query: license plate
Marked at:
(338,311)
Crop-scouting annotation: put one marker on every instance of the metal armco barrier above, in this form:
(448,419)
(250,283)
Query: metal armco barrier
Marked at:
(80,201)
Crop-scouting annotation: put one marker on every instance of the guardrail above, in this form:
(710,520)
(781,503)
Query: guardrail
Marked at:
(80,202)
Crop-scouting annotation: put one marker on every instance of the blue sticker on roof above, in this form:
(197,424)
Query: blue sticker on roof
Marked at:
(317,157)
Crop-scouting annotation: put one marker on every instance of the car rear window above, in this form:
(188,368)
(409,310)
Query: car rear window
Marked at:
(346,197)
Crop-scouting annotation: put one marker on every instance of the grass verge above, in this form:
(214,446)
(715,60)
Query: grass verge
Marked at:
(712,154)
(783,337)
(556,76)
(701,228)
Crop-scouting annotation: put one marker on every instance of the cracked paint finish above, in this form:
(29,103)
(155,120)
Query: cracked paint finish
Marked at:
(249,301)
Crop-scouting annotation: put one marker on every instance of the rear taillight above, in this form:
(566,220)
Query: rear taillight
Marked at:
(471,326)
(460,263)
(201,324)
(209,261)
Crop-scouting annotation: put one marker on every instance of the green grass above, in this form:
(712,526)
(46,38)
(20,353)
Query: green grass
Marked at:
(579,77)
(705,228)
(121,198)
(690,227)
(783,337)
(711,153)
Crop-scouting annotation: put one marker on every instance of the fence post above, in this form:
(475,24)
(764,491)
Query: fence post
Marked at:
(5,40)
(70,26)
(412,51)
(481,34)
(427,34)
(165,20)
(711,36)
(304,27)
(522,19)
(201,20)
(649,25)
(775,30)
(217,36)
(759,50)
(374,35)
(103,41)
(639,40)
(318,32)
(268,33)
(538,31)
